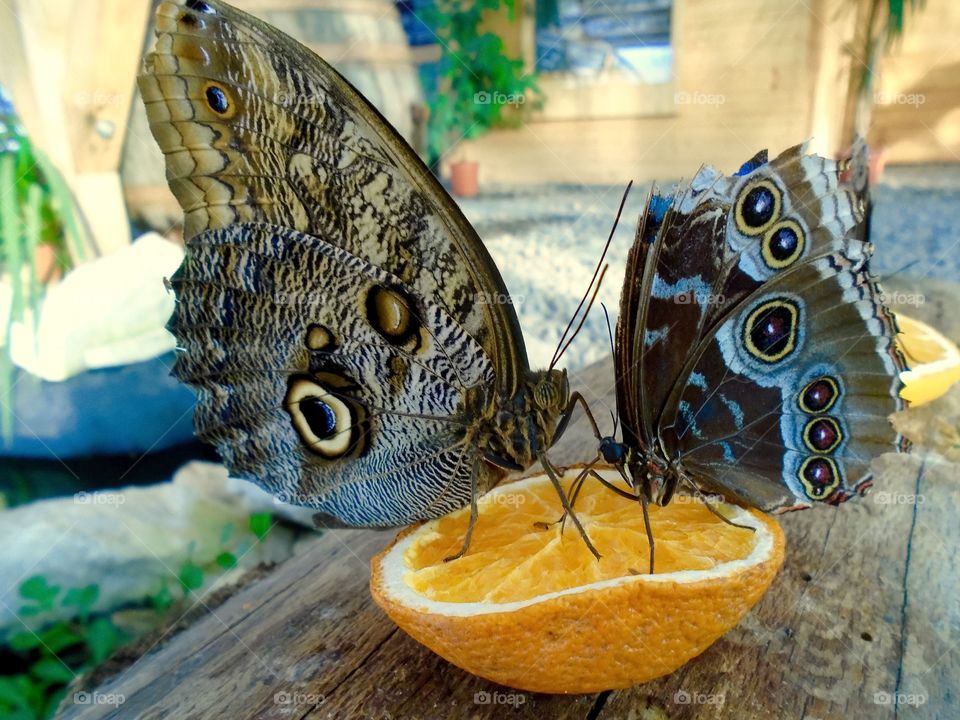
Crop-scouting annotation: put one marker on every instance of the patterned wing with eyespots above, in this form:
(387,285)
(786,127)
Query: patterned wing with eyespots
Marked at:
(257,128)
(304,389)
(788,401)
(758,298)
(705,258)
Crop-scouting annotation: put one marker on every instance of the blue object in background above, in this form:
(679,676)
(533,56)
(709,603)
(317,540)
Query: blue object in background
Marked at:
(125,410)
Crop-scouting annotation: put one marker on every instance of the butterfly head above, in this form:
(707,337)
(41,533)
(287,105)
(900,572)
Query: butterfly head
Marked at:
(521,427)
(612,451)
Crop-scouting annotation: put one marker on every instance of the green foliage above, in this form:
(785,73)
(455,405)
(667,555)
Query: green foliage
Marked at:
(478,86)
(36,208)
(885,24)
(260,524)
(55,655)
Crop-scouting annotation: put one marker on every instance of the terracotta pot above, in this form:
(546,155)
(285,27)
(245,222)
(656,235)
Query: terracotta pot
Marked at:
(463,175)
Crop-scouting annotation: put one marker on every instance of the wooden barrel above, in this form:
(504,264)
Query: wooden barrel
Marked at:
(363,39)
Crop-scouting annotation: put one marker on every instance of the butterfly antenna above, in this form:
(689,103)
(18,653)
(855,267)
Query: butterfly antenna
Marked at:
(557,353)
(583,318)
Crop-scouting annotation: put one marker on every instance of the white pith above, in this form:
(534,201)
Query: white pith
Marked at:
(393,569)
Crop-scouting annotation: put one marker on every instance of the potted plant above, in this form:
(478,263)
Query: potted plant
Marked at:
(879,23)
(477,84)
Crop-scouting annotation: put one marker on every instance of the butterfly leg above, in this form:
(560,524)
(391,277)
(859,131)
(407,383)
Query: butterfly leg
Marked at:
(576,398)
(644,503)
(553,475)
(575,491)
(711,508)
(473,514)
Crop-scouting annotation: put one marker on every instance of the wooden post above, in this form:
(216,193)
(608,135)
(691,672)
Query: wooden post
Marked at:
(70,67)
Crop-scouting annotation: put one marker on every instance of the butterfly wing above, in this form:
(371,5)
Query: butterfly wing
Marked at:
(257,128)
(705,258)
(856,176)
(331,306)
(788,400)
(298,384)
(730,250)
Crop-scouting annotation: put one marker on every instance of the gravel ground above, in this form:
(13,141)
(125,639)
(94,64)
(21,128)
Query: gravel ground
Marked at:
(546,240)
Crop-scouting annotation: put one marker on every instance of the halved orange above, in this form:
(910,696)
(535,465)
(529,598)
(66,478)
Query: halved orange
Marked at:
(934,361)
(531,608)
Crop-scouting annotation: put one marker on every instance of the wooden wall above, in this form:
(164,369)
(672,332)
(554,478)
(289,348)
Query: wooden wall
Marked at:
(748,74)
(917,115)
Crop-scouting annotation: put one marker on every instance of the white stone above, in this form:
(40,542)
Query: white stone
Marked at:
(132,541)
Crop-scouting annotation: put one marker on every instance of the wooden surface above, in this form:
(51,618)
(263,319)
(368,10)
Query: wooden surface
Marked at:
(864,608)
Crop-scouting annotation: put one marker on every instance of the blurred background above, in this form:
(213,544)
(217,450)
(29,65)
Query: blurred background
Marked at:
(535,114)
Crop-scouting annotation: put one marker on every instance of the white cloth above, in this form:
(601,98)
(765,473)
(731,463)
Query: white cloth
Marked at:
(108,312)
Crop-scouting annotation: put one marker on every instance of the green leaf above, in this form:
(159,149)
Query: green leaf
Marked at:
(83,598)
(23,641)
(52,670)
(102,639)
(260,524)
(191,576)
(59,637)
(62,198)
(226,560)
(13,692)
(41,592)
(163,599)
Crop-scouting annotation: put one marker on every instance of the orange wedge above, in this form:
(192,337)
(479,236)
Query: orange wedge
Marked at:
(532,609)
(933,360)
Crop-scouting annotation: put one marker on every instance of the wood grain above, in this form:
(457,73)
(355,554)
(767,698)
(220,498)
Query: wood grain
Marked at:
(864,610)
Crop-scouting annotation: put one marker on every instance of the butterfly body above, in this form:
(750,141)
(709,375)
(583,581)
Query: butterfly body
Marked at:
(753,354)
(333,308)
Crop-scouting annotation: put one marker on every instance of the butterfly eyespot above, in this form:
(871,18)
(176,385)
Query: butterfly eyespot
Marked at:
(391,313)
(783,244)
(218,99)
(820,476)
(328,425)
(320,338)
(758,207)
(822,435)
(770,333)
(819,395)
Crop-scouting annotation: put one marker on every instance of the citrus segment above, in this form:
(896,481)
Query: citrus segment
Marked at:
(934,361)
(532,608)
